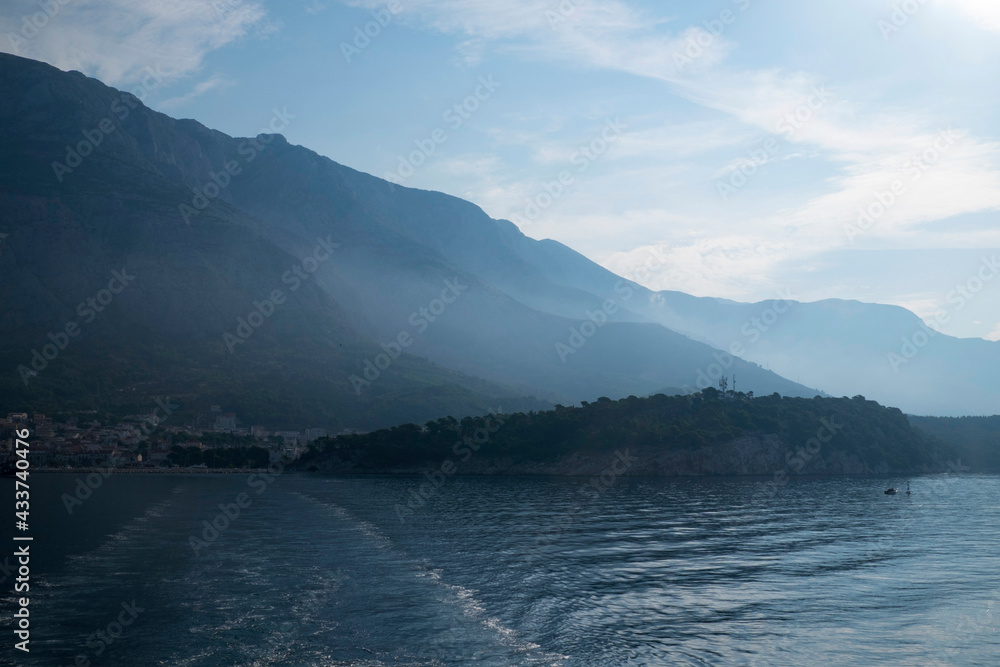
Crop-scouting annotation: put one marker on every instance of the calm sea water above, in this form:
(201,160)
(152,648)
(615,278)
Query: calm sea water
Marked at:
(513,571)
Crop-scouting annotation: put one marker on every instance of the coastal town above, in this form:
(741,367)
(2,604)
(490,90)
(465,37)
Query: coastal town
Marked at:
(143,442)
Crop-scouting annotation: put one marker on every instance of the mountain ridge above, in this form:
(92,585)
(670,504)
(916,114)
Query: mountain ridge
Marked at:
(535,319)
(210,223)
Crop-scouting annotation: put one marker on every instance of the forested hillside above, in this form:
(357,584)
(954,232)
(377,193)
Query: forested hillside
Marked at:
(754,434)
(976,439)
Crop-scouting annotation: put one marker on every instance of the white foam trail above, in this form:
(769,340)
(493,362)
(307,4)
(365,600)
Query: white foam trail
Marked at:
(123,535)
(460,596)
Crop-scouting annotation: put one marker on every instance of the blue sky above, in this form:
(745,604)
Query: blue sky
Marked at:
(740,138)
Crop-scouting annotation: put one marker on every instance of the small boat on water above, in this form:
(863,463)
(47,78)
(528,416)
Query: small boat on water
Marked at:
(891,491)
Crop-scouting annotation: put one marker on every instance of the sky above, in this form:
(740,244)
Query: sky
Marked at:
(824,150)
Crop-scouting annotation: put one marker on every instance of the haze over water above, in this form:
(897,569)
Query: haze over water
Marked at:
(520,571)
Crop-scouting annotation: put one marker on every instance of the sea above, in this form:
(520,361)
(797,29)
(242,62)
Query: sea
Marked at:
(306,569)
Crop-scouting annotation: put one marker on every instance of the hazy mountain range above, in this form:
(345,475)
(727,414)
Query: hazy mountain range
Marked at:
(143,256)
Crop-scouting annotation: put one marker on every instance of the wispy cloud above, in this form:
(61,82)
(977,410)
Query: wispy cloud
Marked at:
(610,35)
(866,144)
(115,40)
(315,7)
(199,89)
(707,267)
